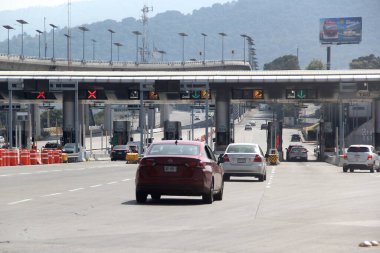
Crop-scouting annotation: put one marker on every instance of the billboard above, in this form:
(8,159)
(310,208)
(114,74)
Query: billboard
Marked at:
(340,30)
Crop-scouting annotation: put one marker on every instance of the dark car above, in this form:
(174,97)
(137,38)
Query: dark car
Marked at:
(264,126)
(180,168)
(69,148)
(295,137)
(52,145)
(297,153)
(119,152)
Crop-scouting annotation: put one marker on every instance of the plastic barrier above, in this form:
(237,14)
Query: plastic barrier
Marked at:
(6,157)
(65,158)
(50,155)
(24,157)
(34,155)
(57,156)
(13,157)
(1,157)
(45,156)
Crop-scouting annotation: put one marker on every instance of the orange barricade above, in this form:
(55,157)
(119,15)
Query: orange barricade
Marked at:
(34,157)
(57,156)
(24,157)
(45,156)
(51,157)
(5,157)
(13,157)
(1,157)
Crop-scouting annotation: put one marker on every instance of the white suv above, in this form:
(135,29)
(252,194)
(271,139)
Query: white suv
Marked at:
(361,157)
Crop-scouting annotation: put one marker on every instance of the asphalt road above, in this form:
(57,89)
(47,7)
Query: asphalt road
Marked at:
(90,207)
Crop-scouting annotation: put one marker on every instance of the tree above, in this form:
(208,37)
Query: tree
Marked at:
(287,62)
(366,62)
(315,65)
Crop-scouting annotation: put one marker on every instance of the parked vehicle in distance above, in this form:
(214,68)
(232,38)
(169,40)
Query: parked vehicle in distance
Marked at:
(69,148)
(177,167)
(264,126)
(297,153)
(119,152)
(295,137)
(2,139)
(196,117)
(52,145)
(361,157)
(252,122)
(289,148)
(243,160)
(247,127)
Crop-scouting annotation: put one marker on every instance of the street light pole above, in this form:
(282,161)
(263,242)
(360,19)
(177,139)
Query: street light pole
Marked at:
(111,32)
(137,33)
(8,27)
(204,47)
(244,38)
(39,43)
(118,45)
(22,22)
(183,35)
(222,35)
(83,29)
(68,48)
(93,49)
(162,52)
(54,27)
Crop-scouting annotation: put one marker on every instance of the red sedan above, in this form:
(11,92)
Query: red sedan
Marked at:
(181,168)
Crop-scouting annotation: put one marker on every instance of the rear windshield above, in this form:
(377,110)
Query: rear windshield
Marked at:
(242,149)
(358,149)
(173,149)
(298,150)
(120,147)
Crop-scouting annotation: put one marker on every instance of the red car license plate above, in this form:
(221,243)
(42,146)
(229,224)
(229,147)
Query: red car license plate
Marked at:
(169,168)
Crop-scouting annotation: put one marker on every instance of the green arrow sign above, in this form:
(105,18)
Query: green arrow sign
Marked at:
(301,94)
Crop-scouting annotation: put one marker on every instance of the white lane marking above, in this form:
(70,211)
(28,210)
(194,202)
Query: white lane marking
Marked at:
(114,182)
(77,189)
(268,186)
(74,169)
(56,170)
(50,195)
(5,175)
(42,171)
(25,173)
(18,202)
(125,180)
(97,185)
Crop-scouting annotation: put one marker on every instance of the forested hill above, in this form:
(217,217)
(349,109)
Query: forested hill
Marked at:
(278,27)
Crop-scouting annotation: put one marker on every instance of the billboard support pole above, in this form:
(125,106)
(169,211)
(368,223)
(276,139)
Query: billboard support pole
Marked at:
(328,65)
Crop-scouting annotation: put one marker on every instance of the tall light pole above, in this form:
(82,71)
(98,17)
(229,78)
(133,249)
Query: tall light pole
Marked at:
(204,47)
(83,29)
(22,22)
(244,38)
(118,45)
(183,35)
(93,49)
(137,33)
(111,32)
(162,52)
(68,41)
(222,35)
(8,27)
(54,27)
(39,42)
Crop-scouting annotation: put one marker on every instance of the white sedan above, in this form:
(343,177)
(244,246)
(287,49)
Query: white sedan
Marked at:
(243,160)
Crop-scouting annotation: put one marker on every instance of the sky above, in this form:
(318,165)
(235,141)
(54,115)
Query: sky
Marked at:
(161,5)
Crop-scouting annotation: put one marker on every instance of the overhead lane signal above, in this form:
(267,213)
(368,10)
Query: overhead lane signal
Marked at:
(301,94)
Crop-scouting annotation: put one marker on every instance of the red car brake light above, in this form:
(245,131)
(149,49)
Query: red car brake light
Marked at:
(344,156)
(370,157)
(195,164)
(258,159)
(226,158)
(148,162)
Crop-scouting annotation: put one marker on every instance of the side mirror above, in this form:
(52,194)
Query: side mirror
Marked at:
(266,155)
(220,159)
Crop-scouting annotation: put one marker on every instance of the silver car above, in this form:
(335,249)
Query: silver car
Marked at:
(361,157)
(243,160)
(297,153)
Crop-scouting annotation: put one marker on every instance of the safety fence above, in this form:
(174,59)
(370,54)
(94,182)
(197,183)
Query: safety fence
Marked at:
(15,156)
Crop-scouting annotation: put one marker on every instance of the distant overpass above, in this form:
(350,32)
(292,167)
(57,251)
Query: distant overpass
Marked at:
(27,63)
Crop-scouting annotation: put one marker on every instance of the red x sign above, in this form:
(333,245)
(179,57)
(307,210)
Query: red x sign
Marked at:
(91,94)
(41,95)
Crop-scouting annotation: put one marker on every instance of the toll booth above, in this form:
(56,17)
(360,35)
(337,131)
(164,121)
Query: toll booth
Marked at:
(274,138)
(121,132)
(172,130)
